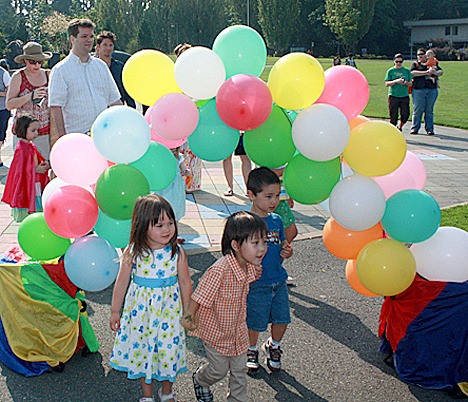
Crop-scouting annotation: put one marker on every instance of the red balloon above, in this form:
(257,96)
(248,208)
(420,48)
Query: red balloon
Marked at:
(71,211)
(244,102)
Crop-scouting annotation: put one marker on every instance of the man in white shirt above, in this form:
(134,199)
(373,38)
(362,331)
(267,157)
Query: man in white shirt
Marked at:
(81,86)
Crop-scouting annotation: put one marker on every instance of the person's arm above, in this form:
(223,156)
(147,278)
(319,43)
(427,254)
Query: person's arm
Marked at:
(189,319)
(185,282)
(437,71)
(57,125)
(120,288)
(13,101)
(400,81)
(286,249)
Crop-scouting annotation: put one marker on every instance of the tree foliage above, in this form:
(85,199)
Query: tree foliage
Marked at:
(349,20)
(277,20)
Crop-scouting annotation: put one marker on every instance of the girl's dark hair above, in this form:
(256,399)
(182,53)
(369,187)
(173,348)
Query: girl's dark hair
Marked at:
(148,210)
(241,226)
(22,123)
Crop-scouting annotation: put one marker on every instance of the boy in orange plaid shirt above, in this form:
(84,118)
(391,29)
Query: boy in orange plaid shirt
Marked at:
(218,308)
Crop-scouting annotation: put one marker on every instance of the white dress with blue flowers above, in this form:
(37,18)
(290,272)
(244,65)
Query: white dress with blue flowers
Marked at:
(151,341)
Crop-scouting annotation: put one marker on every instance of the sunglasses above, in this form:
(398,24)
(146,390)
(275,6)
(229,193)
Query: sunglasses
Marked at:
(421,54)
(398,61)
(33,61)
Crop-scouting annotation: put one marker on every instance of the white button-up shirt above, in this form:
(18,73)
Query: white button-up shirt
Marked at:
(82,90)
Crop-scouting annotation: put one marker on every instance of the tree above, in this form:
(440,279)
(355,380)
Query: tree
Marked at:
(54,27)
(349,20)
(277,20)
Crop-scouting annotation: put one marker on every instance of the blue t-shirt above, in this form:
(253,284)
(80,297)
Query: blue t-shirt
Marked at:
(273,271)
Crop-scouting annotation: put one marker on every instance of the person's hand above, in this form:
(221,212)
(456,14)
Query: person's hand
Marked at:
(290,202)
(42,167)
(115,322)
(402,80)
(286,251)
(39,93)
(189,323)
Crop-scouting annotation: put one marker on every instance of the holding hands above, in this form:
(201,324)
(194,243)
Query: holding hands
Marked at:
(286,251)
(189,322)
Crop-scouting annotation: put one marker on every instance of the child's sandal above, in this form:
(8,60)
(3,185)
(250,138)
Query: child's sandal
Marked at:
(167,397)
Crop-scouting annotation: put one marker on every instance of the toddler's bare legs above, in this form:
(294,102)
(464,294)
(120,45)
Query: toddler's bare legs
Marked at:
(147,388)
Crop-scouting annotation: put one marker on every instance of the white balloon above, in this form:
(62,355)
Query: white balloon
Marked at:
(357,202)
(199,72)
(444,256)
(321,132)
(121,134)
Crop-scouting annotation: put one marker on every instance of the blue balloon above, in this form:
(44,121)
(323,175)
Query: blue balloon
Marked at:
(116,232)
(411,216)
(121,134)
(91,263)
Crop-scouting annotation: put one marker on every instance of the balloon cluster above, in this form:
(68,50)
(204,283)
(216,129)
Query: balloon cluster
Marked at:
(303,118)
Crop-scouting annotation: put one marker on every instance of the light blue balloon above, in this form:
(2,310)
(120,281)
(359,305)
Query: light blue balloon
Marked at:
(242,50)
(91,263)
(116,232)
(121,134)
(212,140)
(411,216)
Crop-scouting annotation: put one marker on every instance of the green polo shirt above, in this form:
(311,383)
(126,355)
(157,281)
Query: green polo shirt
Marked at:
(398,90)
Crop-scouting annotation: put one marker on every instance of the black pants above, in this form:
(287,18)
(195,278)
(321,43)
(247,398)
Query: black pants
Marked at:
(398,104)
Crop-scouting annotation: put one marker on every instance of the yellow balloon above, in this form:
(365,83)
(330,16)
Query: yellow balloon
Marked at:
(148,75)
(386,267)
(375,148)
(296,81)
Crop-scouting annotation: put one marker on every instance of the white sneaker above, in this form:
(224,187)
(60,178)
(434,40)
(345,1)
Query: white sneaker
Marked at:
(167,397)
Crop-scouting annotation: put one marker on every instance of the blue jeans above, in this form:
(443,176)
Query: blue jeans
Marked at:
(423,102)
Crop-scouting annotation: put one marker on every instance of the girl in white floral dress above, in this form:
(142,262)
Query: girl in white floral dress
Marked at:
(150,341)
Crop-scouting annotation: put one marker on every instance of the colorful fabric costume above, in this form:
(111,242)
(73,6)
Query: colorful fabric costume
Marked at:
(20,187)
(151,341)
(426,327)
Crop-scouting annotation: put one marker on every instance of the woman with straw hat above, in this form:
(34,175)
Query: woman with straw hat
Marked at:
(27,92)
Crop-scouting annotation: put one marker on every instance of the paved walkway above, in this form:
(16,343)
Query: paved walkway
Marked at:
(445,156)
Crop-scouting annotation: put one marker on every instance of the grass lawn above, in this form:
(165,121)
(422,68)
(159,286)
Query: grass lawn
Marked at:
(456,217)
(450,108)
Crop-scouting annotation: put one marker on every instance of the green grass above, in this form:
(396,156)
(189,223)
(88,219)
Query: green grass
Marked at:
(450,108)
(456,217)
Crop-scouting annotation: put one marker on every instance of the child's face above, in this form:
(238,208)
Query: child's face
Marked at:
(161,234)
(32,131)
(266,200)
(252,250)
(430,54)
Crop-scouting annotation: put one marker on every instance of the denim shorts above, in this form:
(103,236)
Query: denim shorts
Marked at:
(267,304)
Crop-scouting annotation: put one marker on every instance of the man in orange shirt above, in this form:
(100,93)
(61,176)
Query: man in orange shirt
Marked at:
(219,305)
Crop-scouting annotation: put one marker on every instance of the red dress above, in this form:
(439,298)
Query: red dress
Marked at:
(20,187)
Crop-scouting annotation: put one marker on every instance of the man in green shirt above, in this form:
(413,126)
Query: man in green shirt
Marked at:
(398,79)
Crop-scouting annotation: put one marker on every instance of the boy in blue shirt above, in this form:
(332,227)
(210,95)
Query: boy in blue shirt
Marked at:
(268,300)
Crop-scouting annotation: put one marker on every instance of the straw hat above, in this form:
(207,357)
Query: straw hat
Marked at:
(33,51)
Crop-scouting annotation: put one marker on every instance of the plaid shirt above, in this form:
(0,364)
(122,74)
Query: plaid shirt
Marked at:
(222,296)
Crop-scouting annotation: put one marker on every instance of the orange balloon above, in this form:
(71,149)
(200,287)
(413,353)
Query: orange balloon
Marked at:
(353,280)
(359,119)
(346,244)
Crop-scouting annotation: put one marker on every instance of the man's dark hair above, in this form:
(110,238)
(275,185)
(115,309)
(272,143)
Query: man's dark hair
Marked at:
(261,177)
(398,56)
(420,50)
(106,35)
(241,226)
(75,24)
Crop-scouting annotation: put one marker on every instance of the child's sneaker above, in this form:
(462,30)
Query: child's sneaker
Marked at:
(273,360)
(252,362)
(167,397)
(146,399)
(203,394)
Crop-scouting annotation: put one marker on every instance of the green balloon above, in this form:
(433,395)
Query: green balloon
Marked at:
(116,232)
(38,241)
(212,140)
(310,182)
(158,165)
(117,190)
(242,50)
(201,102)
(271,144)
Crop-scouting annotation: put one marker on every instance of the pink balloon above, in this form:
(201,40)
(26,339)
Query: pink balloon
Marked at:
(157,138)
(347,89)
(244,102)
(71,211)
(174,116)
(410,175)
(75,159)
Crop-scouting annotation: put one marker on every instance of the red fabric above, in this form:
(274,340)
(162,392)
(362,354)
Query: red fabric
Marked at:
(403,308)
(20,188)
